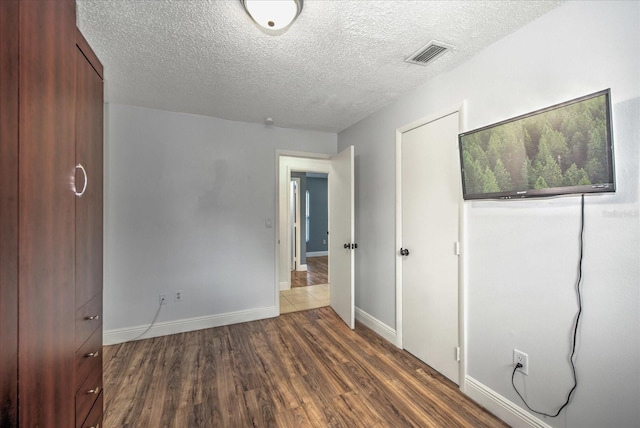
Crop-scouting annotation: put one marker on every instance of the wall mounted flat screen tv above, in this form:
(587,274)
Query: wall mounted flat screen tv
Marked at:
(563,149)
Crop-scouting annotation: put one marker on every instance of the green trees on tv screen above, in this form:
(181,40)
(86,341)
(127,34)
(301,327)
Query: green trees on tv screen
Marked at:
(566,146)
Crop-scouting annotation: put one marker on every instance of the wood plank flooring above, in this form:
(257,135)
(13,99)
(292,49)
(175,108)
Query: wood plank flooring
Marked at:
(303,369)
(317,273)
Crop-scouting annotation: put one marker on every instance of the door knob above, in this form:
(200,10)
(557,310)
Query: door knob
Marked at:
(404,252)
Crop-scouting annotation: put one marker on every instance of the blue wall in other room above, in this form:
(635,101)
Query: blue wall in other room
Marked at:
(319,219)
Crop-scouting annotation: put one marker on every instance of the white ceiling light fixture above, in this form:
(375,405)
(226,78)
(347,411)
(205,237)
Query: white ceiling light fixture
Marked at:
(273,14)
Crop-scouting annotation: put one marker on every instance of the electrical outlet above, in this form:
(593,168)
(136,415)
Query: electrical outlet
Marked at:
(163,299)
(522,358)
(178,296)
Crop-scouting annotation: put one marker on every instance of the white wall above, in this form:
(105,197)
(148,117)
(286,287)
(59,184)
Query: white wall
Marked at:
(186,200)
(522,255)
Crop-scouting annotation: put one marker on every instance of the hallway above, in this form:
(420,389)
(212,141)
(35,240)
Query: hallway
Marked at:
(317,273)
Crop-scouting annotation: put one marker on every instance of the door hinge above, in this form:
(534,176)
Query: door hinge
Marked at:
(456,248)
(457,353)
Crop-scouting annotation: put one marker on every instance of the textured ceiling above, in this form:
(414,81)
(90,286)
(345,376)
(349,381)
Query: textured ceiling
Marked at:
(339,62)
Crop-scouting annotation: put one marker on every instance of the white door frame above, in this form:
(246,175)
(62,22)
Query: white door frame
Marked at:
(287,161)
(460,109)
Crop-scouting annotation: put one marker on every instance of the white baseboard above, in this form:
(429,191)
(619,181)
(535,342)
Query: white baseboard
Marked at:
(121,335)
(302,268)
(500,406)
(284,285)
(376,325)
(317,253)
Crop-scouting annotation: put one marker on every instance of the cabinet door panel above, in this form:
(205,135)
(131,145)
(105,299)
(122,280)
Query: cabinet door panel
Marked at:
(88,319)
(46,230)
(88,358)
(87,394)
(89,111)
(94,420)
(9,212)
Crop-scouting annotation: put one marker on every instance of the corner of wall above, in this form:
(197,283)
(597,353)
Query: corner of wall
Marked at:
(376,325)
(500,406)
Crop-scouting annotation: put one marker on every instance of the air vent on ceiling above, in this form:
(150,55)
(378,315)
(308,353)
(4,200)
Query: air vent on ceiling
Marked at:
(428,53)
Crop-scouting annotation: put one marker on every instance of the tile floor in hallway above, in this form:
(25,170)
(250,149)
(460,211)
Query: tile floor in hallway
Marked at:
(302,298)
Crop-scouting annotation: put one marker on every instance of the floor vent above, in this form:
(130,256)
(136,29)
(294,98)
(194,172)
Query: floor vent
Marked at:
(428,53)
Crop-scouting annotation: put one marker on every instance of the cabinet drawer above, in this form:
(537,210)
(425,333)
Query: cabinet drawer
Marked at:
(89,357)
(94,420)
(87,394)
(88,318)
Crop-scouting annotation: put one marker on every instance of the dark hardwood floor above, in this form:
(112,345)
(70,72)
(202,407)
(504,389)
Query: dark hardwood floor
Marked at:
(300,369)
(317,273)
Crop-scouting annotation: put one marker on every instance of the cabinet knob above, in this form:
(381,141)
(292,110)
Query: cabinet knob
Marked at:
(93,317)
(92,354)
(95,391)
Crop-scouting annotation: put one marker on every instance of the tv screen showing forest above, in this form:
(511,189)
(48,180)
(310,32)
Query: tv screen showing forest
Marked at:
(562,149)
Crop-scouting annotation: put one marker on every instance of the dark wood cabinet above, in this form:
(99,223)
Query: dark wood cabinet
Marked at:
(89,130)
(50,239)
(88,233)
(46,232)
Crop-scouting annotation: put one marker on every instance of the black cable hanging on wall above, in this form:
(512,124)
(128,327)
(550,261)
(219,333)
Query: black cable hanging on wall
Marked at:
(162,301)
(575,329)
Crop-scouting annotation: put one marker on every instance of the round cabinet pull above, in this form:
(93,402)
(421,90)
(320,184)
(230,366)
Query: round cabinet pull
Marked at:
(86,181)
(92,354)
(95,391)
(93,317)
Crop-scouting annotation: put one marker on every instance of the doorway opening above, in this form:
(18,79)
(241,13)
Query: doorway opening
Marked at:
(317,273)
(340,243)
(309,228)
(296,263)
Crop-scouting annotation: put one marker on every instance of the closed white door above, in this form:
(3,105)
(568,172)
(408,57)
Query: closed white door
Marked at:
(430,213)
(341,235)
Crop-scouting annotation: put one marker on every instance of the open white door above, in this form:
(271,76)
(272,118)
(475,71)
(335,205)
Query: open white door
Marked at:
(341,235)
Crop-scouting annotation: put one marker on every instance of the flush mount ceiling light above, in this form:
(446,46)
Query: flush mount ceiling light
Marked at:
(273,14)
